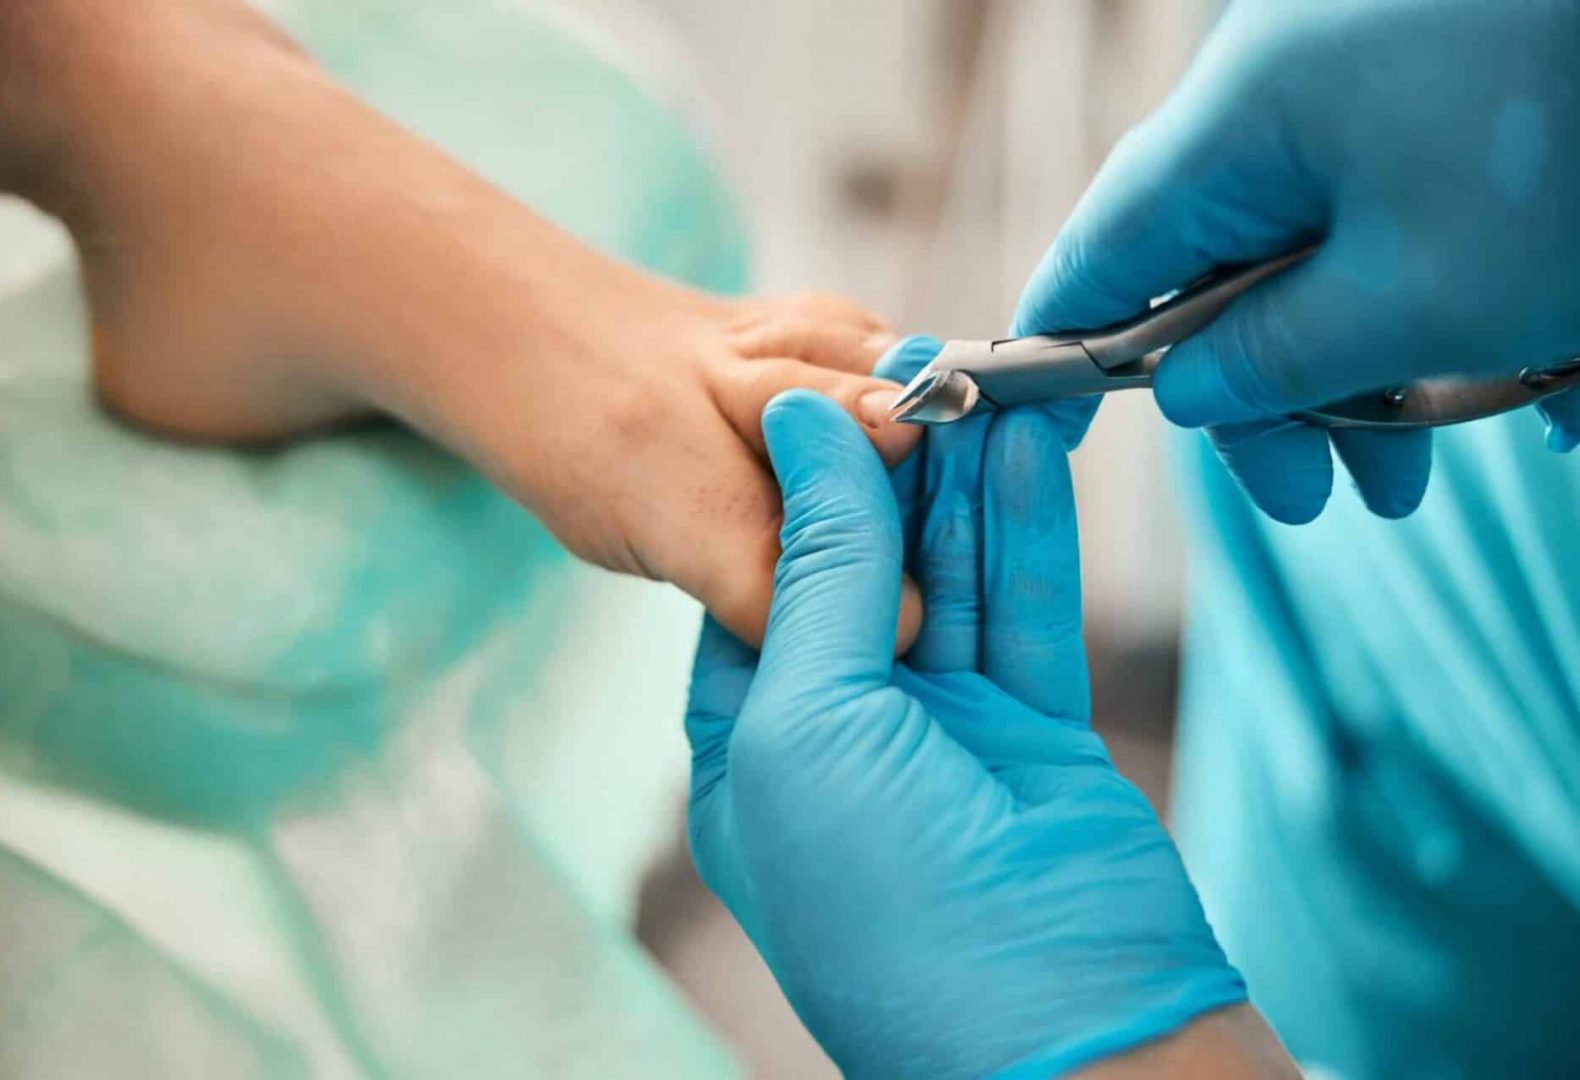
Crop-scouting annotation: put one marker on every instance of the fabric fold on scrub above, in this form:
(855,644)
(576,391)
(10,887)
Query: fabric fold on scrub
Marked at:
(1379,765)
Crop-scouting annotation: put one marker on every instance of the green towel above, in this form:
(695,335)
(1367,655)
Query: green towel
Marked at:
(288,764)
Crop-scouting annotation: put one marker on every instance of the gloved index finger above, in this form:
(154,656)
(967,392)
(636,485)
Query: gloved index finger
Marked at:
(901,364)
(941,504)
(837,586)
(1031,569)
(947,555)
(906,359)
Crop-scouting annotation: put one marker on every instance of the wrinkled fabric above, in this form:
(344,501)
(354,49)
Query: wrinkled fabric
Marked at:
(1379,772)
(296,769)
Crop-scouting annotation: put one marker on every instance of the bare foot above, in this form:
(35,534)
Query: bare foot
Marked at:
(264,256)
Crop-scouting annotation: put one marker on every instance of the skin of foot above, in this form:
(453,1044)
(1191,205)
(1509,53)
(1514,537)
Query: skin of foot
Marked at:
(265,256)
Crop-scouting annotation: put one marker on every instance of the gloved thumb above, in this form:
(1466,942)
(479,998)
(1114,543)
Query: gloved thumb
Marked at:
(1322,331)
(837,586)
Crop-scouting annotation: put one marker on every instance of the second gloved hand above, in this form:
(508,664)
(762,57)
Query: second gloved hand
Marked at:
(947,878)
(1431,150)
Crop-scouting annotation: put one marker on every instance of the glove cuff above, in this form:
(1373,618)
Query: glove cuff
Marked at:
(1206,993)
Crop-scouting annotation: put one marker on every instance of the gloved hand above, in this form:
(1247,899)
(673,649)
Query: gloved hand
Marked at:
(942,867)
(1431,146)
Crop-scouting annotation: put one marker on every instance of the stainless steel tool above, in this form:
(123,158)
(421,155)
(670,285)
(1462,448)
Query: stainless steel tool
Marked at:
(971,375)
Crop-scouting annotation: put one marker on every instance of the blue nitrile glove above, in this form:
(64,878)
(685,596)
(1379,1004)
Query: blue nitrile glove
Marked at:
(943,869)
(1432,147)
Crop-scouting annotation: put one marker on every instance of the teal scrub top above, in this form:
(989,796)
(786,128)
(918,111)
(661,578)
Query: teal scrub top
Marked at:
(1378,780)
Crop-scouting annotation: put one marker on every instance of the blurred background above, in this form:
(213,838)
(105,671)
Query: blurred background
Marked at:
(208,857)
